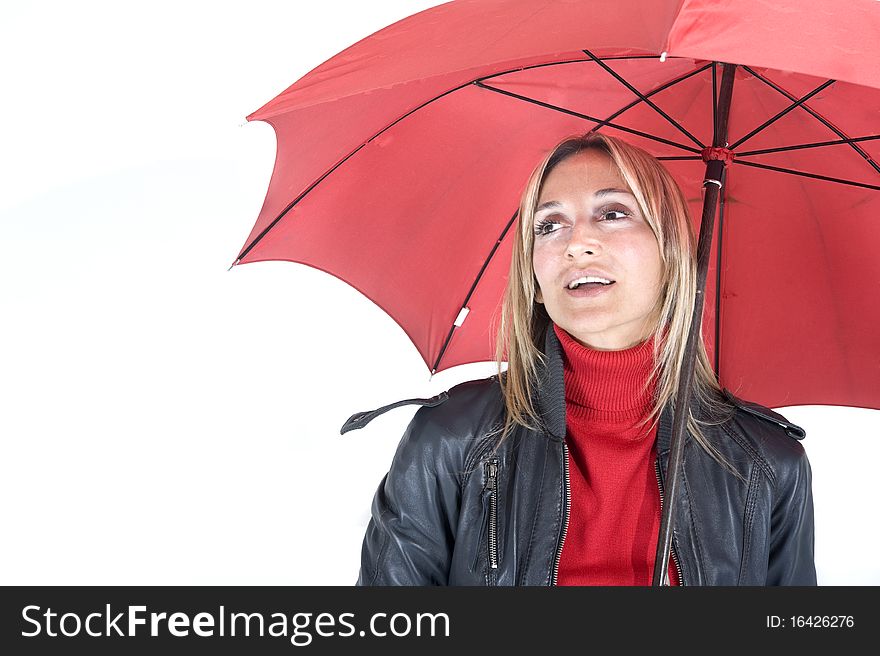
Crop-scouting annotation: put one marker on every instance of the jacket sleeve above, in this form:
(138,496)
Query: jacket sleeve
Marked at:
(410,537)
(791,530)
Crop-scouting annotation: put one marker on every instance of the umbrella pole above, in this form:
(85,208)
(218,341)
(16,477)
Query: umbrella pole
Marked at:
(712,183)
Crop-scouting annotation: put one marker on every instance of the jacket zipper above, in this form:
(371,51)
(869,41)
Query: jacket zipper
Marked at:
(492,486)
(567,494)
(671,548)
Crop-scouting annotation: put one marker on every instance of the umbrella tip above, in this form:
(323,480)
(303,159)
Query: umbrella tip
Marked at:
(663,56)
(233,264)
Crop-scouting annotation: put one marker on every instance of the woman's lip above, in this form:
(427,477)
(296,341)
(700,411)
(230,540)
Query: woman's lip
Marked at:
(588,290)
(586,273)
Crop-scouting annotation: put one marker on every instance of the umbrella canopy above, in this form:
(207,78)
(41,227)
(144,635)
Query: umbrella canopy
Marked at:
(401,160)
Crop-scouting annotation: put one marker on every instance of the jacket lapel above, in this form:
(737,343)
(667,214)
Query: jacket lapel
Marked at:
(550,395)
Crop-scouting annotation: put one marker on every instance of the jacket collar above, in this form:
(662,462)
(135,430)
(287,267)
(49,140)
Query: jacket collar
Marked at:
(550,400)
(664,431)
(551,396)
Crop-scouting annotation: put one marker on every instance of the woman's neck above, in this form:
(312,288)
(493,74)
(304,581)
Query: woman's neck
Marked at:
(608,381)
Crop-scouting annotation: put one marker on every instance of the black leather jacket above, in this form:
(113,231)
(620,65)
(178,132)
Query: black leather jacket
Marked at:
(452,512)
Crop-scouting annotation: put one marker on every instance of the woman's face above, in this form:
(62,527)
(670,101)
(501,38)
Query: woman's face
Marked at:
(588,224)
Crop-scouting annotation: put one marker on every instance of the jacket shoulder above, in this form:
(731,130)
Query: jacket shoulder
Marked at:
(415,512)
(467,408)
(462,420)
(766,414)
(447,427)
(769,435)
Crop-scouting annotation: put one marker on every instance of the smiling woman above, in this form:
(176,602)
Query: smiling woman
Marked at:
(592,242)
(552,472)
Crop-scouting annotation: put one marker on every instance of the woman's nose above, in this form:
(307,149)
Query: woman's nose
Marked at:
(585,239)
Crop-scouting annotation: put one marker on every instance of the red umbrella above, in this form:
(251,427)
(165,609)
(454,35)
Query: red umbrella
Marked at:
(411,147)
(401,159)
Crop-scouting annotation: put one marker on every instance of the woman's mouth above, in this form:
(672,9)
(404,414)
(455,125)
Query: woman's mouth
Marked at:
(588,289)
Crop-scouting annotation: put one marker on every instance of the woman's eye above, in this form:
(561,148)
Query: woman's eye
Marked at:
(613,215)
(545,227)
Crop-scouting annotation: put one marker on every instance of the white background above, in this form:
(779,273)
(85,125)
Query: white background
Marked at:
(164,420)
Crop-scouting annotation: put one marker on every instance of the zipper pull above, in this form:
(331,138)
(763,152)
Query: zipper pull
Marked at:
(491,473)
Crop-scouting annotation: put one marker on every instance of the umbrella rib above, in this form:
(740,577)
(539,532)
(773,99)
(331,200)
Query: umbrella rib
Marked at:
(567,61)
(624,57)
(290,206)
(473,288)
(818,117)
(635,102)
(296,200)
(770,121)
(815,144)
(555,63)
(585,116)
(807,175)
(714,104)
(643,98)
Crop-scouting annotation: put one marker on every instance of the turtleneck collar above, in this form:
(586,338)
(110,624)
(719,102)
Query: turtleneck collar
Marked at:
(607,382)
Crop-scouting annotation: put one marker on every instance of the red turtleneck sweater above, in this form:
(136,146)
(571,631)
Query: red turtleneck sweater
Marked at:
(615,498)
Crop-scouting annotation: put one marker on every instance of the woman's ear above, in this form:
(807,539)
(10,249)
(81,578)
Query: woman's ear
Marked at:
(539,297)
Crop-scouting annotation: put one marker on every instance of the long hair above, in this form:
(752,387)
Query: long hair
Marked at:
(524,321)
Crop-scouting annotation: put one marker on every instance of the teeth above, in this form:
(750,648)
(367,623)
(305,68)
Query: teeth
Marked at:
(585,279)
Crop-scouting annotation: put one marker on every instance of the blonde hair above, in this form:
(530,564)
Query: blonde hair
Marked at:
(524,321)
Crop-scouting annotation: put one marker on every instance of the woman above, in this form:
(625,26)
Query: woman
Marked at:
(551,473)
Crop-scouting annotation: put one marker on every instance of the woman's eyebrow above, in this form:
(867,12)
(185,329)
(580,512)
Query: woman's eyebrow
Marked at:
(612,190)
(553,204)
(550,204)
